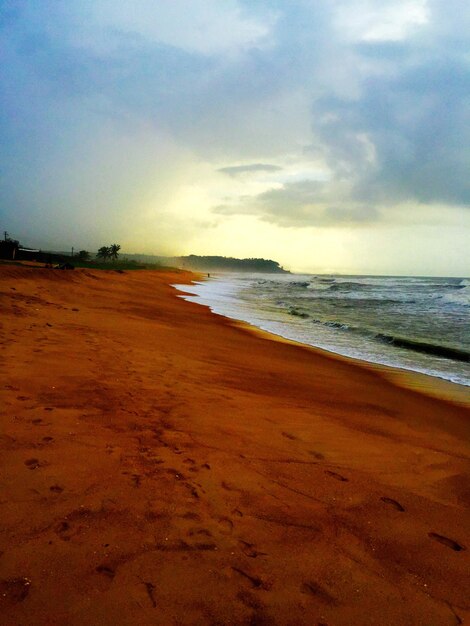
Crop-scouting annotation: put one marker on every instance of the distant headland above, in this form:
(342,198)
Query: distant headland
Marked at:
(213,263)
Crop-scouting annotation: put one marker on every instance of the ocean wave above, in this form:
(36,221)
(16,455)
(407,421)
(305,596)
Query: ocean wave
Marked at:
(459,298)
(338,325)
(352,285)
(422,347)
(297,313)
(425,347)
(453,286)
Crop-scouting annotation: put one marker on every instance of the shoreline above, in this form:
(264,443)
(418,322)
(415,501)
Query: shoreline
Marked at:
(424,384)
(162,464)
(434,386)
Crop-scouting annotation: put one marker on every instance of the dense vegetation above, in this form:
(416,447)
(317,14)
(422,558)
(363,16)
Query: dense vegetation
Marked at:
(107,257)
(229,264)
(213,263)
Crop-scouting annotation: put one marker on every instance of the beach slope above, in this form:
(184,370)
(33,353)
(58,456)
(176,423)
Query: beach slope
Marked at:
(162,465)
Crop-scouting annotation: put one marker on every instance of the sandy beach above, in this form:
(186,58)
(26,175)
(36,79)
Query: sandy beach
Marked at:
(162,465)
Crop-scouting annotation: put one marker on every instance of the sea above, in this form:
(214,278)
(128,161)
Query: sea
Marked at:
(413,323)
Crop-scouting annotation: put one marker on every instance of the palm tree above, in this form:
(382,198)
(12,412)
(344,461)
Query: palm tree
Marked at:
(83,255)
(114,251)
(104,253)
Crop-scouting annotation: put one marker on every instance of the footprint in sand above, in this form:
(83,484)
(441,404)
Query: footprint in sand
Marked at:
(15,590)
(317,455)
(192,490)
(450,543)
(56,489)
(150,588)
(63,530)
(289,436)
(229,487)
(32,463)
(336,476)
(316,590)
(175,473)
(106,571)
(256,581)
(199,531)
(153,516)
(226,525)
(250,600)
(190,515)
(249,549)
(393,503)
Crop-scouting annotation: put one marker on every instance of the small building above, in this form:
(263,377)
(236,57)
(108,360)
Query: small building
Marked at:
(28,254)
(9,249)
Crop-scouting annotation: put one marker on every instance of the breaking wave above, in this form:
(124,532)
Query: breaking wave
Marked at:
(410,322)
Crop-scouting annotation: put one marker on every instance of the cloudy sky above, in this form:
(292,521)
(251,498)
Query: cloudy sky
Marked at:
(330,135)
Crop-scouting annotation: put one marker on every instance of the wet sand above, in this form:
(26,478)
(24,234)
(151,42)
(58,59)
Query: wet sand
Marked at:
(162,465)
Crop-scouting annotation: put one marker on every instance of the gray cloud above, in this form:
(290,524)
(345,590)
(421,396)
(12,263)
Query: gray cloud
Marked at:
(399,134)
(252,168)
(302,203)
(405,138)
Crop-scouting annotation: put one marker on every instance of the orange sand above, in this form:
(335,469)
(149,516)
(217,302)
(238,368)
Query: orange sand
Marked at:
(161,465)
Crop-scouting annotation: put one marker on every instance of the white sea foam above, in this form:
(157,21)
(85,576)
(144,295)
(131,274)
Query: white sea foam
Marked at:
(354,316)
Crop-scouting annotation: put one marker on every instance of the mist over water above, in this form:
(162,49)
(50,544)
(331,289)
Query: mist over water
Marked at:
(414,323)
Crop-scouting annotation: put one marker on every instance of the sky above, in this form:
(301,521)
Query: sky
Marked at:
(329,135)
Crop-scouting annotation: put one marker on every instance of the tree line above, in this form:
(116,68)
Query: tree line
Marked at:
(109,252)
(105,253)
(230,264)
